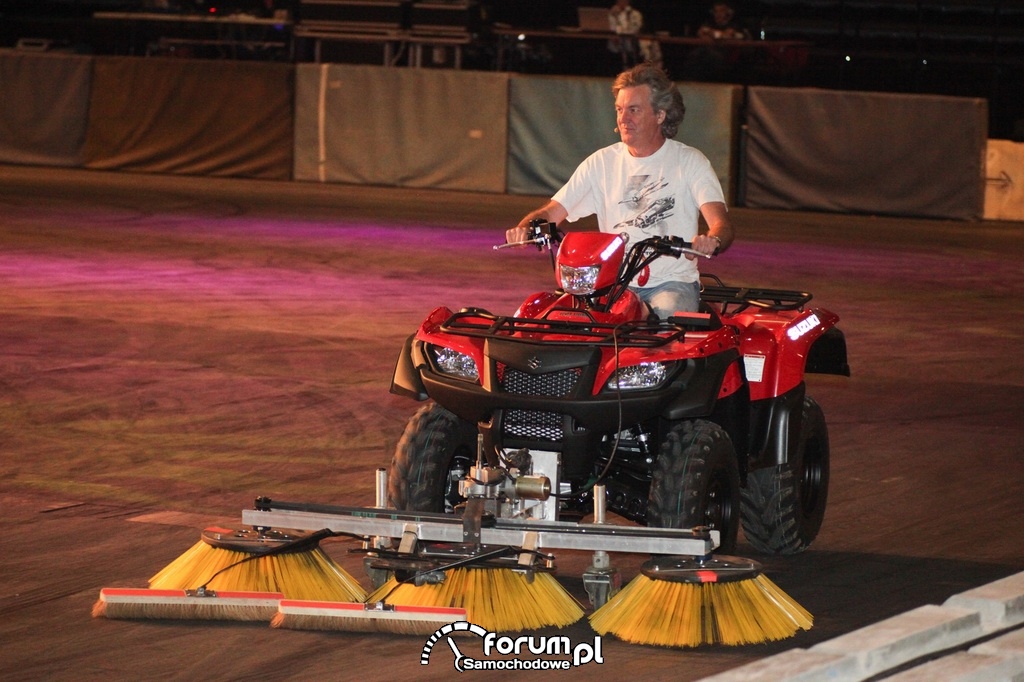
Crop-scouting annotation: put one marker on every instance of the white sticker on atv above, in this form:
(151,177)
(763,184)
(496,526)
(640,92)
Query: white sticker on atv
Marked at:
(754,366)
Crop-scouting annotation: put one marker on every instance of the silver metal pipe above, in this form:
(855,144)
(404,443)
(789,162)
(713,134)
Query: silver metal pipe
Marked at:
(382,489)
(600,504)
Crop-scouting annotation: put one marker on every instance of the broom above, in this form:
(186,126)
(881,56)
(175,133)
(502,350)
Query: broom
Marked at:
(498,599)
(686,602)
(371,617)
(256,568)
(134,603)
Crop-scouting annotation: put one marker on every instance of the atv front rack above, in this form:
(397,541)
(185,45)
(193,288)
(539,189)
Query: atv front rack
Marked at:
(483,324)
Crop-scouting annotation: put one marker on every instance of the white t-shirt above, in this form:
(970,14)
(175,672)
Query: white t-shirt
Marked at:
(660,194)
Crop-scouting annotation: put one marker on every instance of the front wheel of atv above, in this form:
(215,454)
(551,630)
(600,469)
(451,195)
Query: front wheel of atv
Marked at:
(435,452)
(696,482)
(784,505)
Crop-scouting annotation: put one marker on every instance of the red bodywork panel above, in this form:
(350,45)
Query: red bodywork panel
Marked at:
(775,346)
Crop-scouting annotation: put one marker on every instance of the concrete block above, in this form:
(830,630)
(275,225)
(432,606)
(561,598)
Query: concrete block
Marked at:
(1000,603)
(894,641)
(965,667)
(795,665)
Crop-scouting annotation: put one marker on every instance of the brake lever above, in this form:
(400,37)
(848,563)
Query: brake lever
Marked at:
(540,242)
(686,250)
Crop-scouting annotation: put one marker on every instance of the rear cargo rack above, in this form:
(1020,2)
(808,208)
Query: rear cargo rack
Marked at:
(737,299)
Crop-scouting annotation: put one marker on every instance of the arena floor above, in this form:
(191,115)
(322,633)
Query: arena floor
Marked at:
(170,348)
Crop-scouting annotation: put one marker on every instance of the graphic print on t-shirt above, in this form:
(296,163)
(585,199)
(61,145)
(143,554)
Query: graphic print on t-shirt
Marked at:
(640,197)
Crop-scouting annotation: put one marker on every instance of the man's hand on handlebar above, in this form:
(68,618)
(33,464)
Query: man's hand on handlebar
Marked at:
(705,244)
(542,233)
(517,235)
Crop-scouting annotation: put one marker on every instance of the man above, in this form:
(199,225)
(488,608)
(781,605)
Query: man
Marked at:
(626,22)
(648,184)
(722,24)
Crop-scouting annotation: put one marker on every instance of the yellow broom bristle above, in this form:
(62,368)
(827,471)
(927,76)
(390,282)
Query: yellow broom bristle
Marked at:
(310,574)
(498,599)
(680,614)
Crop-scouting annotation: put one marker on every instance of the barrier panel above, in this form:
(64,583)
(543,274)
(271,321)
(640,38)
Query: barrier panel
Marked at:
(1004,180)
(401,127)
(44,105)
(861,152)
(804,149)
(191,117)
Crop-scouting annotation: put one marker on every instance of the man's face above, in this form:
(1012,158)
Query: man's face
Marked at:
(639,124)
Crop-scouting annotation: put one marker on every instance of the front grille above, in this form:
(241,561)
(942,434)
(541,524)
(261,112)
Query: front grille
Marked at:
(548,384)
(533,425)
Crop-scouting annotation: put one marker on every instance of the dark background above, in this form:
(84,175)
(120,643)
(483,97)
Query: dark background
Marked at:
(969,48)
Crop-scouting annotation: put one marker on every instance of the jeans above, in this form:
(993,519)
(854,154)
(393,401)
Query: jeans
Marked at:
(671,297)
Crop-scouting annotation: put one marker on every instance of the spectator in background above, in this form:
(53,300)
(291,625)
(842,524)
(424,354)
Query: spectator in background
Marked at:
(722,24)
(715,61)
(626,22)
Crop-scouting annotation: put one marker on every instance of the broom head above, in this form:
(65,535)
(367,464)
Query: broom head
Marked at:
(498,599)
(132,603)
(372,617)
(267,560)
(690,601)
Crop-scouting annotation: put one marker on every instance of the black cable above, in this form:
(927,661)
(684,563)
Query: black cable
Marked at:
(296,545)
(465,561)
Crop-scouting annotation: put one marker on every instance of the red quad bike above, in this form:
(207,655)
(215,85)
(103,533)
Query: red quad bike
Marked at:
(702,419)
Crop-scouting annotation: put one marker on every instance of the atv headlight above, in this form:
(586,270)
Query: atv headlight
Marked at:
(646,375)
(579,281)
(454,363)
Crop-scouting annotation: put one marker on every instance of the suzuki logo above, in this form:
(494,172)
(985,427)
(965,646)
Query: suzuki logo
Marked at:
(534,363)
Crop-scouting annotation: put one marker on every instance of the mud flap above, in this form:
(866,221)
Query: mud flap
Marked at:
(406,380)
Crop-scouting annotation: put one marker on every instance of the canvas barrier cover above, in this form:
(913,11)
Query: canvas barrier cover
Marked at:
(191,117)
(44,106)
(401,127)
(860,152)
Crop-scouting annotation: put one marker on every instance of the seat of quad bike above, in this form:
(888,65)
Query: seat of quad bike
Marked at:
(705,319)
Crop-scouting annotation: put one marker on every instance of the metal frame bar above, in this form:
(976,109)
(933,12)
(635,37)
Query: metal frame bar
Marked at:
(370,522)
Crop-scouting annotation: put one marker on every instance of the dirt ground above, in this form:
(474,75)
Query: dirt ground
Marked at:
(170,348)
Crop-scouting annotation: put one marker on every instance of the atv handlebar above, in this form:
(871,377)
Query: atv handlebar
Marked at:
(546,235)
(675,247)
(543,235)
(540,242)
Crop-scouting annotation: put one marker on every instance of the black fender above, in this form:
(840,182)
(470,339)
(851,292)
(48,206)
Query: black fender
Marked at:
(697,388)
(406,380)
(827,354)
(775,427)
(732,413)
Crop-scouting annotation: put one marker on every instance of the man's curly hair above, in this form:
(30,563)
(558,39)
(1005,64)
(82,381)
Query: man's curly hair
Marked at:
(665,96)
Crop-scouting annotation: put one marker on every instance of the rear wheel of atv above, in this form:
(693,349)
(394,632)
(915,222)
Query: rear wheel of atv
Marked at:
(435,452)
(697,482)
(784,505)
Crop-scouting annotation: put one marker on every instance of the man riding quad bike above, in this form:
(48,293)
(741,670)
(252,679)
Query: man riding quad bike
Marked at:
(701,419)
